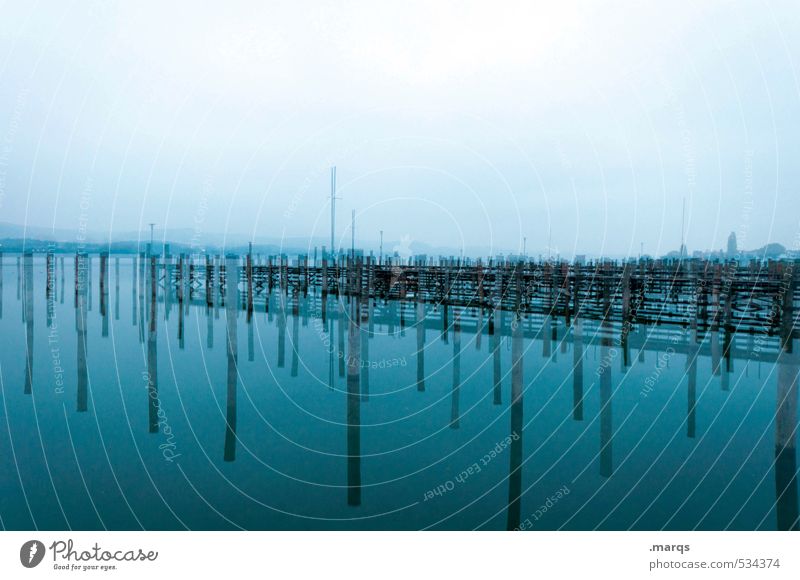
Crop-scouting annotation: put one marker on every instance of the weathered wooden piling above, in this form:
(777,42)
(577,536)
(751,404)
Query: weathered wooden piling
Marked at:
(496,338)
(232,349)
(134,270)
(455,397)
(281,323)
(515,451)
(605,370)
(81,287)
(577,369)
(209,281)
(295,333)
(249,278)
(49,275)
(116,288)
(154,403)
(104,292)
(61,271)
(324,272)
(420,322)
(692,353)
(28,313)
(786,488)
(353,407)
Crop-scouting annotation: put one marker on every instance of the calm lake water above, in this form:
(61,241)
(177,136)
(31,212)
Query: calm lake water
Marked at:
(377,415)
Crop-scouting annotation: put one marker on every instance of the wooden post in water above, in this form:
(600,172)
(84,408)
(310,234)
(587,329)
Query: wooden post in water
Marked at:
(515,451)
(269,274)
(50,271)
(183,299)
(142,291)
(116,287)
(281,322)
(134,286)
(89,278)
(324,273)
(76,277)
(50,265)
(495,335)
(154,404)
(691,373)
(305,274)
(455,413)
(61,268)
(295,331)
(340,331)
(420,321)
(190,280)
(627,321)
(179,281)
(786,492)
(480,300)
(249,275)
(231,339)
(104,291)
(81,328)
(606,428)
(577,369)
(363,298)
(28,312)
(353,407)
(169,282)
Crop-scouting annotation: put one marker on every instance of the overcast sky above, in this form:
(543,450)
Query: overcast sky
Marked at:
(451,123)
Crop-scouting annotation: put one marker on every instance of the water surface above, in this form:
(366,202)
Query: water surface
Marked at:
(119,412)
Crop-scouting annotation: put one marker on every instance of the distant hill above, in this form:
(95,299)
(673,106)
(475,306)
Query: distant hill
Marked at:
(15,238)
(769,251)
(16,245)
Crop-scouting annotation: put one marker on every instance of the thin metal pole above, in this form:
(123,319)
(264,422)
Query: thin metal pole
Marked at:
(683,228)
(333,207)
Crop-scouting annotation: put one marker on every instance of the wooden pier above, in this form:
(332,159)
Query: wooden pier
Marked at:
(708,295)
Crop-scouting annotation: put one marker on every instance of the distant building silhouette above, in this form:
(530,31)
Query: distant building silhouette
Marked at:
(732,249)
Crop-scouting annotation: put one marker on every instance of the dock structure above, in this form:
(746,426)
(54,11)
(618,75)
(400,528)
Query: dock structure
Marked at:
(701,294)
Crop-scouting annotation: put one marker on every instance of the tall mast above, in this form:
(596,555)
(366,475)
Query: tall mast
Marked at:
(683,228)
(333,208)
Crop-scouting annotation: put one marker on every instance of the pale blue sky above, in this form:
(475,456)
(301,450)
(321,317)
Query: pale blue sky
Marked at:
(466,124)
